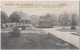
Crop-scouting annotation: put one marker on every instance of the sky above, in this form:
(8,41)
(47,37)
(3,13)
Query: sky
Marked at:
(43,7)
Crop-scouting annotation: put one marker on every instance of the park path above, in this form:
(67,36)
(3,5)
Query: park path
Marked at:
(66,36)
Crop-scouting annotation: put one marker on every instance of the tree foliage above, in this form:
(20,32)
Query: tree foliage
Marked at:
(4,17)
(73,19)
(15,17)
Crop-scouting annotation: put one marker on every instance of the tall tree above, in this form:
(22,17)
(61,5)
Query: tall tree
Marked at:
(54,19)
(15,17)
(4,17)
(60,20)
(64,19)
(73,21)
(35,20)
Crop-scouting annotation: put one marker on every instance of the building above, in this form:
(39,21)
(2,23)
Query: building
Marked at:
(45,22)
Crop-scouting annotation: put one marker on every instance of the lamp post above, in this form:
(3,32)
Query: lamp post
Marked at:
(78,31)
(79,26)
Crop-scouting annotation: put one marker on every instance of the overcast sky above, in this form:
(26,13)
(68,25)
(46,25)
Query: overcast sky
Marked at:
(70,7)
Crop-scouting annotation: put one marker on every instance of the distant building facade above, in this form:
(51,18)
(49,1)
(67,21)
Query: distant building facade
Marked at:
(45,22)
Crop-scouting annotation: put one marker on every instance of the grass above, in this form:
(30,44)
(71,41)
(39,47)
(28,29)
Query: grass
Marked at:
(32,41)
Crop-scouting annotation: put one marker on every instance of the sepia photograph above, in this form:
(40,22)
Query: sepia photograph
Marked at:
(40,25)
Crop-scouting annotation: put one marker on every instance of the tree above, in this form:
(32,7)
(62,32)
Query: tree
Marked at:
(64,19)
(35,20)
(15,17)
(60,20)
(73,21)
(54,19)
(4,17)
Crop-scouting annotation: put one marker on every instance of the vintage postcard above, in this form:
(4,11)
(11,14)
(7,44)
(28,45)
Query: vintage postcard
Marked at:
(40,25)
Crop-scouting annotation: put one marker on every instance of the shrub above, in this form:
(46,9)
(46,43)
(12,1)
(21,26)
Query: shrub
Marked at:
(73,27)
(15,32)
(23,27)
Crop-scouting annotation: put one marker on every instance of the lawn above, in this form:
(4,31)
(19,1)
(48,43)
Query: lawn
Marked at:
(32,41)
